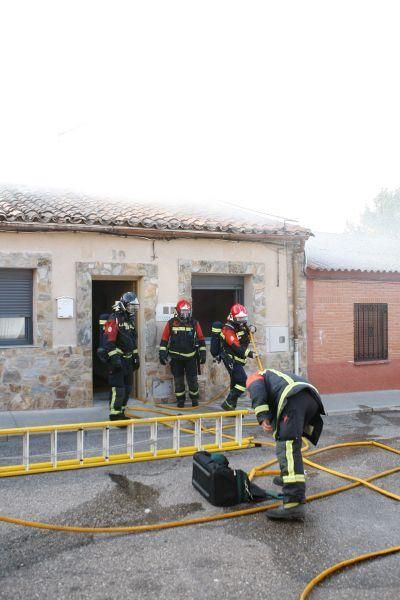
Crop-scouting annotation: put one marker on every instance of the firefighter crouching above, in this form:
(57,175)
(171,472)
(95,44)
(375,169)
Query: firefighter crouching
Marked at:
(181,340)
(235,338)
(120,345)
(291,407)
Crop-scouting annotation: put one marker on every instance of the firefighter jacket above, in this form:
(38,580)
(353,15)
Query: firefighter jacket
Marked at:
(181,340)
(235,341)
(120,337)
(270,390)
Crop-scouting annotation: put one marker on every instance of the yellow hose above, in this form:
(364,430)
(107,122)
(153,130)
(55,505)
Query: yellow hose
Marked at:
(256,471)
(233,514)
(170,524)
(351,478)
(206,403)
(345,563)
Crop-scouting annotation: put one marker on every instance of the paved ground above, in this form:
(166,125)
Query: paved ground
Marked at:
(335,404)
(236,558)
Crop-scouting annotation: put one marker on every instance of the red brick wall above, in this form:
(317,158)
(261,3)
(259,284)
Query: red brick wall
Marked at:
(330,334)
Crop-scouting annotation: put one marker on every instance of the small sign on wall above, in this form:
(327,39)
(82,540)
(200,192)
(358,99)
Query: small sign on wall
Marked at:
(164,312)
(65,307)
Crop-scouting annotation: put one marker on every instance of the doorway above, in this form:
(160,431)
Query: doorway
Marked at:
(104,295)
(213,296)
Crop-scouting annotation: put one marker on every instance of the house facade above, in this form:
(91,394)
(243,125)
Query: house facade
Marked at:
(65,258)
(353,312)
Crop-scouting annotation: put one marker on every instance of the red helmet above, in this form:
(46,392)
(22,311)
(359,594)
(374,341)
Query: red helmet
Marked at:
(183,310)
(238,314)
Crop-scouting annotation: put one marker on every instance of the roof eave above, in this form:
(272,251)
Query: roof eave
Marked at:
(153,233)
(331,273)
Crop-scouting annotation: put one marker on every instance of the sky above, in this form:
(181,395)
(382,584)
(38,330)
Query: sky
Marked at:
(289,107)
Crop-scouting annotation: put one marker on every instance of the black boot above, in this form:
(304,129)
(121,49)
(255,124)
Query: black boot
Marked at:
(119,417)
(230,402)
(226,406)
(293,512)
(278,480)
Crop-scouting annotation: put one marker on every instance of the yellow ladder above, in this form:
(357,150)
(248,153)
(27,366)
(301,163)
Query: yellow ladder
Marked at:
(206,434)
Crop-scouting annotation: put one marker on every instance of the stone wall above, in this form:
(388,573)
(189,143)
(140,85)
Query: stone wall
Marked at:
(40,376)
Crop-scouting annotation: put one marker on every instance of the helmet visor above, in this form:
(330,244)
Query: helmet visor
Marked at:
(132,307)
(241,320)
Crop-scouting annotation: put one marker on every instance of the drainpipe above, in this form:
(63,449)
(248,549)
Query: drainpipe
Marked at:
(295,321)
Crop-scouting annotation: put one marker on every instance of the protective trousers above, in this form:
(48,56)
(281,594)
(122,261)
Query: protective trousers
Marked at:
(238,381)
(299,410)
(121,381)
(179,368)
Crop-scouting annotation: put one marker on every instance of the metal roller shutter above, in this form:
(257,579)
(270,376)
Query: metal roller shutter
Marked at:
(16,289)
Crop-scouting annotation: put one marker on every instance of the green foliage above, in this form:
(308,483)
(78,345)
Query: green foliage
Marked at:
(383,218)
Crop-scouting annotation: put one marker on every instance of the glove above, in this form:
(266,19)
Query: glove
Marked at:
(116,362)
(136,362)
(203,357)
(163,358)
(102,355)
(266,425)
(252,328)
(250,354)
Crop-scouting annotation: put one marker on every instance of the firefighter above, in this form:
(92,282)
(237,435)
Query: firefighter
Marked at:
(183,341)
(120,345)
(235,339)
(290,407)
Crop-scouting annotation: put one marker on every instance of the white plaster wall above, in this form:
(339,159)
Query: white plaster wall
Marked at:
(68,248)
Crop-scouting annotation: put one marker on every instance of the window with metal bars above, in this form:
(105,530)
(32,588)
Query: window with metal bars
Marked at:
(370,332)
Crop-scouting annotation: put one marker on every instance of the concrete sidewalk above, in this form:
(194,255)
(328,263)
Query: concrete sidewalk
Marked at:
(355,402)
(335,404)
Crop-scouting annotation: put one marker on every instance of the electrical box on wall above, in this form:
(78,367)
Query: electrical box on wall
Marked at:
(277,339)
(165,312)
(65,307)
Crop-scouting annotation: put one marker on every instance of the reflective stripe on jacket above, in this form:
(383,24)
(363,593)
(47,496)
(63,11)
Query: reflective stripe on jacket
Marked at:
(180,339)
(270,390)
(235,341)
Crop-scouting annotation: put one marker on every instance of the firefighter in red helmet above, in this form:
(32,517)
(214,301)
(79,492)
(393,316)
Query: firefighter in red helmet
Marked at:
(183,341)
(235,336)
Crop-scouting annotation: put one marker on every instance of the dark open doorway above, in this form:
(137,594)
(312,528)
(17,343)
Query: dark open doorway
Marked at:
(104,295)
(213,296)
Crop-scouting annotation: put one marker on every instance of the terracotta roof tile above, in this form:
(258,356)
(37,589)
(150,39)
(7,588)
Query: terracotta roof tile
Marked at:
(20,204)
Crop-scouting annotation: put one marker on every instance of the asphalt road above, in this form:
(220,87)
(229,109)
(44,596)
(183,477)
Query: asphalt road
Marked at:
(245,557)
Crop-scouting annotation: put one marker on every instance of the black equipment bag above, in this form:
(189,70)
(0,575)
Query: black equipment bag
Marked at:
(215,343)
(221,485)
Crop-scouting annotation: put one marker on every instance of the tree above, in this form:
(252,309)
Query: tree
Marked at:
(384,216)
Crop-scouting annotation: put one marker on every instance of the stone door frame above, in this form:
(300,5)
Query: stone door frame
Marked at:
(255,285)
(147,277)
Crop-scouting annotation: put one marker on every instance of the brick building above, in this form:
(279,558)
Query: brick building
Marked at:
(353,312)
